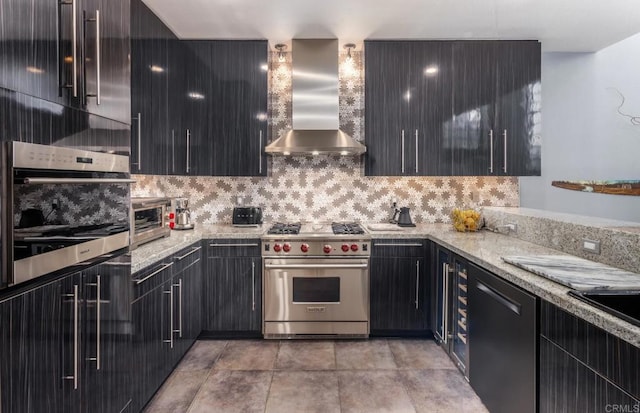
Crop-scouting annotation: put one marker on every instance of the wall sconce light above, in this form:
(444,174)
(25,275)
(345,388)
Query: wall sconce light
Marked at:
(349,46)
(282,57)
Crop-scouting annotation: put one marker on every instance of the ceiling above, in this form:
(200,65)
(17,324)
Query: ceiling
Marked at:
(561,25)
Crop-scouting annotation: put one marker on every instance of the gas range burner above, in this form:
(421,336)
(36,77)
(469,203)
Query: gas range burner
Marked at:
(284,229)
(346,228)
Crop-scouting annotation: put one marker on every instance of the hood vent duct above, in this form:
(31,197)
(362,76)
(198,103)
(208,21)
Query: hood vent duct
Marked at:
(315,104)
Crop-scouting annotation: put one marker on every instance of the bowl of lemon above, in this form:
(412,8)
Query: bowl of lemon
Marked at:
(465,220)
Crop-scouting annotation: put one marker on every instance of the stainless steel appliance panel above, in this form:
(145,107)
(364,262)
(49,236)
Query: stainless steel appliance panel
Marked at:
(149,219)
(313,290)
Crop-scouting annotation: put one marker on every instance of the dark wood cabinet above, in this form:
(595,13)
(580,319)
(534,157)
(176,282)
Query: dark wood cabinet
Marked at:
(232,288)
(496,100)
(399,287)
(187,283)
(48,55)
(452,107)
(407,106)
(584,368)
(66,344)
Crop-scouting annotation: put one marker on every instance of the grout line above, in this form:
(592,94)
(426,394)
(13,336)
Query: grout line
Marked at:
(195,396)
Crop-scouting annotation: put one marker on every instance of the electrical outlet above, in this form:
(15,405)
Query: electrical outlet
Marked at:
(475,196)
(55,204)
(591,245)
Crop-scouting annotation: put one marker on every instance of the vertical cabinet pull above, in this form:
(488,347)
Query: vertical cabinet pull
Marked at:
(445,304)
(417,282)
(504,163)
(188,137)
(179,330)
(260,154)
(402,151)
(416,150)
(173,151)
(76,337)
(74,43)
(95,20)
(491,151)
(98,321)
(170,293)
(253,285)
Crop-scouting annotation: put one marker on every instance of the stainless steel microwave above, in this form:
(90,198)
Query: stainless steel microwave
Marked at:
(149,219)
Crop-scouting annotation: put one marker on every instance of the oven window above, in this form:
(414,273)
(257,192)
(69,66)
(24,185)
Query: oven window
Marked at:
(148,219)
(316,290)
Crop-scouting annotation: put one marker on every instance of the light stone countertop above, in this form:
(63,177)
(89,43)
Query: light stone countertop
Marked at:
(483,248)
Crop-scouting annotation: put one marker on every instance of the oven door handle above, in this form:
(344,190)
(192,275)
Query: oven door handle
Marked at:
(38,181)
(319,266)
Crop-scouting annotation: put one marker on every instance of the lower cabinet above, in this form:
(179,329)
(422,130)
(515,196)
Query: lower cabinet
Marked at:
(583,368)
(502,342)
(66,344)
(232,288)
(166,314)
(399,288)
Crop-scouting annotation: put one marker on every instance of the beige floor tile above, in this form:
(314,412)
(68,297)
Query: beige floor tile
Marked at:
(202,355)
(248,355)
(306,355)
(228,391)
(304,391)
(178,392)
(373,391)
(364,355)
(419,354)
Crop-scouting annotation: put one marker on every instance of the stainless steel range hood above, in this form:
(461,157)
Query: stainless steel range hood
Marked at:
(315,105)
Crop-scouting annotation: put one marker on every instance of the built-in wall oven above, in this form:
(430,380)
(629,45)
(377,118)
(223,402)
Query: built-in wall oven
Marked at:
(62,209)
(316,285)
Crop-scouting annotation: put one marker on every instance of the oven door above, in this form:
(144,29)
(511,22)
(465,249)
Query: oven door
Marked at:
(316,289)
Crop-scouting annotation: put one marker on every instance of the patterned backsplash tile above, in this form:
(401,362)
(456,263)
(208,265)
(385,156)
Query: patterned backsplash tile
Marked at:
(327,188)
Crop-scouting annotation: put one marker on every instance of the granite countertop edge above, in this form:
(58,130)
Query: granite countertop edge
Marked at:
(483,248)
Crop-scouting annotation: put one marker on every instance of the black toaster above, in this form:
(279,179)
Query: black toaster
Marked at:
(243,216)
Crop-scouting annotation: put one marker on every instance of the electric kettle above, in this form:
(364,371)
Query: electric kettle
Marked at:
(404,218)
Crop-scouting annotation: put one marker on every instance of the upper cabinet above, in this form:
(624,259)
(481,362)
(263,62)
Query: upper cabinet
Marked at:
(452,107)
(73,53)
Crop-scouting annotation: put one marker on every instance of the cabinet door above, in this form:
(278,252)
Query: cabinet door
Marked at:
(398,294)
(231,295)
(107,338)
(31,338)
(432,71)
(73,354)
(472,134)
(441,322)
(389,96)
(187,284)
(106,49)
(518,107)
(567,385)
(238,114)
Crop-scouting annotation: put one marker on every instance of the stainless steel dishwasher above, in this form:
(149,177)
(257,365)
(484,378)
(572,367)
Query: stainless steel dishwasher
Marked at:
(503,339)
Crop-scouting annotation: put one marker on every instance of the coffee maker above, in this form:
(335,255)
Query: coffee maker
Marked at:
(183,214)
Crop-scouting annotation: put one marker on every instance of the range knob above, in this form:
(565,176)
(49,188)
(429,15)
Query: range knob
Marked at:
(304,247)
(277,248)
(327,249)
(354,247)
(286,247)
(345,248)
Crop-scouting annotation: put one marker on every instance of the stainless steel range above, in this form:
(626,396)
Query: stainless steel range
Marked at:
(316,281)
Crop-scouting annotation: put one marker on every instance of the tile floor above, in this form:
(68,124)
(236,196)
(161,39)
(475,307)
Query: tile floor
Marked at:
(377,375)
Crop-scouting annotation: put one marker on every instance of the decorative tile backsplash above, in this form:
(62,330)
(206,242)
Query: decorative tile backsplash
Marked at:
(327,188)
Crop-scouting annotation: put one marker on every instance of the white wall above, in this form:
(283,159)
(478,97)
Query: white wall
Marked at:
(583,136)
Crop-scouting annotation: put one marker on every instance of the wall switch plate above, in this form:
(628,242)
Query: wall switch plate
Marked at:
(590,245)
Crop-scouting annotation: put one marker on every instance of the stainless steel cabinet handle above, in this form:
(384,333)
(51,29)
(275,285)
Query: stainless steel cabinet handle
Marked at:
(98,321)
(139,141)
(416,150)
(234,245)
(76,338)
(170,292)
(402,151)
(409,244)
(491,151)
(164,267)
(253,285)
(179,330)
(188,136)
(193,250)
(499,297)
(445,314)
(320,266)
(74,45)
(38,181)
(97,22)
(504,164)
(417,281)
(260,154)
(173,151)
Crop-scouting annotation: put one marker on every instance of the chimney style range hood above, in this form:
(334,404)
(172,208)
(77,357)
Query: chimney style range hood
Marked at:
(315,105)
